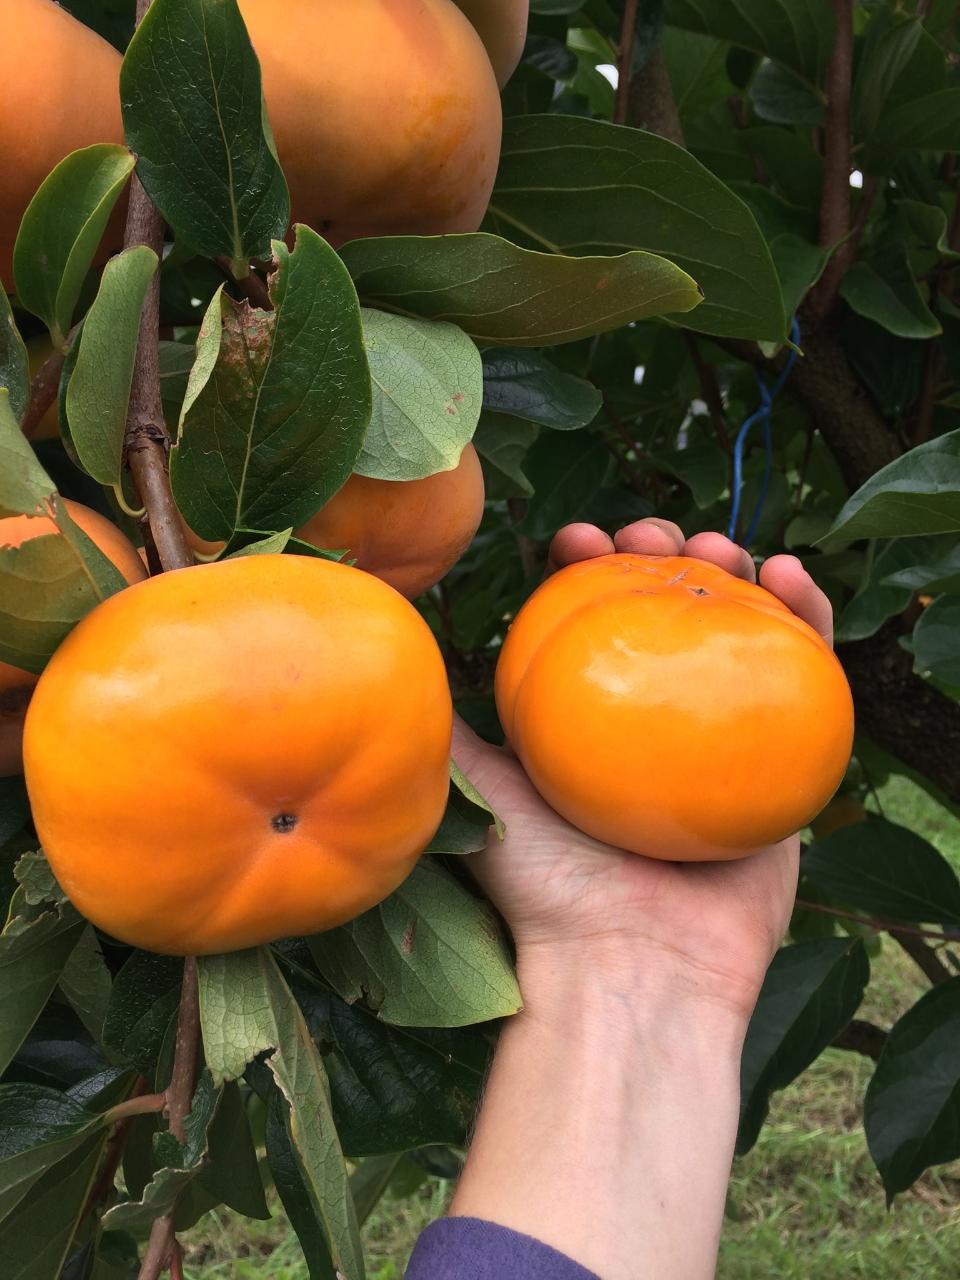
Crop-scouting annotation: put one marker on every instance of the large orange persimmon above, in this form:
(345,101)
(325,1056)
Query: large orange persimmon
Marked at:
(668,708)
(236,752)
(502,26)
(60,92)
(410,533)
(385,113)
(16,686)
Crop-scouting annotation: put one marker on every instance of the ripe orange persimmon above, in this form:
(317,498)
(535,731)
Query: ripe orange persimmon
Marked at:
(502,26)
(385,113)
(668,708)
(60,92)
(410,533)
(16,686)
(293,718)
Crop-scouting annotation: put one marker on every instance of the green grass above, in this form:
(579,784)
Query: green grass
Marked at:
(806,1202)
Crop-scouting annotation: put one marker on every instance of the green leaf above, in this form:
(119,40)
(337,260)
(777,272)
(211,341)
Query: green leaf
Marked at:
(780,96)
(941,572)
(231,1173)
(913,495)
(427,391)
(503,444)
(927,224)
(25,488)
(799,266)
(929,123)
(798,33)
(246,1008)
(99,388)
(369,1180)
(85,983)
(526,385)
(810,993)
(566,471)
(393,1088)
(38,1128)
(143,1001)
(888,295)
(34,948)
(702,466)
(891,43)
(62,229)
(431,955)
(583,187)
(500,293)
(212,171)
(466,821)
(887,871)
(288,1178)
(278,401)
(876,599)
(912,1106)
(936,644)
(14,362)
(36,1237)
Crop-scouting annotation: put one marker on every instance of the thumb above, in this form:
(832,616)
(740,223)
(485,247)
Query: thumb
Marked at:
(498,777)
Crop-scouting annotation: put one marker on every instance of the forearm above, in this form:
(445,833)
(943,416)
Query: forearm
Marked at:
(609,1119)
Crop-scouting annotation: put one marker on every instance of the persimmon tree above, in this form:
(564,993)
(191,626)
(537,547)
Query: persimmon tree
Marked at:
(724,292)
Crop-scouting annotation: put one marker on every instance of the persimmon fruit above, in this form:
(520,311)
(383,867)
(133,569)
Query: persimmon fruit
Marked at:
(410,533)
(668,708)
(16,686)
(386,113)
(237,752)
(60,92)
(502,26)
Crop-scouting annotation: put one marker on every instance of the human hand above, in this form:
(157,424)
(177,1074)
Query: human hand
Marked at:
(705,929)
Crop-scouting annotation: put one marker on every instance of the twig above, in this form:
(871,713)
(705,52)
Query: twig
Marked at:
(44,387)
(143,1104)
(176,1261)
(895,929)
(529,555)
(628,31)
(183,1080)
(927,401)
(253,288)
(652,105)
(861,1037)
(108,1171)
(835,198)
(159,1248)
(924,957)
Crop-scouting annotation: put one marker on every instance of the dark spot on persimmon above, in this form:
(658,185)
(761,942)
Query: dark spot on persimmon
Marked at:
(283,823)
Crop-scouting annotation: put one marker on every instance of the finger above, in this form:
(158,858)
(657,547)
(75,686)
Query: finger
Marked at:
(650,537)
(718,550)
(786,578)
(577,542)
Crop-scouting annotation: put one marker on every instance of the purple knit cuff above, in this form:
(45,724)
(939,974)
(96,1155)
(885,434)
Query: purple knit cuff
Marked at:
(470,1249)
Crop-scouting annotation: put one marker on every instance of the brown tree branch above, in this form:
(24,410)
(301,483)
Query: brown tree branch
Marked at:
(871,922)
(628,31)
(253,288)
(140,1104)
(44,387)
(651,103)
(160,1248)
(835,197)
(924,957)
(861,1037)
(183,1080)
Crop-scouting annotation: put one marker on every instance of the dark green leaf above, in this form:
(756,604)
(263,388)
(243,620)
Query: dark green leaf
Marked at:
(467,820)
(702,466)
(144,998)
(85,983)
(99,388)
(25,488)
(887,871)
(231,1173)
(941,572)
(566,471)
(431,955)
(876,599)
(916,494)
(61,230)
(798,33)
(292,1188)
(810,993)
(427,391)
(554,189)
(887,294)
(503,444)
(936,643)
(370,1180)
(912,1107)
(14,364)
(526,385)
(500,293)
(212,171)
(38,1128)
(930,123)
(285,395)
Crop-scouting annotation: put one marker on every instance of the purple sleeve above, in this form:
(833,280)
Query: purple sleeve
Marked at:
(469,1249)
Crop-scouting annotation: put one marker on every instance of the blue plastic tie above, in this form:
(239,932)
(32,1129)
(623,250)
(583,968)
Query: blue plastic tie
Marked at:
(767,397)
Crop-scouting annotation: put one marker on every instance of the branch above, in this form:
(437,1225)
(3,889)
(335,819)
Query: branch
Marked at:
(253,288)
(651,104)
(861,1037)
(183,1081)
(628,33)
(44,387)
(924,957)
(835,198)
(892,927)
(142,1104)
(160,1248)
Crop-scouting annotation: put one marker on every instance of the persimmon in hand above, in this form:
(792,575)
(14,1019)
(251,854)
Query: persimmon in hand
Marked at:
(668,708)
(16,686)
(410,533)
(237,752)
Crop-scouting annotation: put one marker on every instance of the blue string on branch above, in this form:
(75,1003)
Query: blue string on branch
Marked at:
(767,397)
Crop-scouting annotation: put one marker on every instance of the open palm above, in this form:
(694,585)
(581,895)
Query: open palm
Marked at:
(714,925)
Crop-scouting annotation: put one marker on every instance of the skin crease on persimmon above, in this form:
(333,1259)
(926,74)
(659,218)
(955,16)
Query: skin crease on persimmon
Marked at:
(666,706)
(16,685)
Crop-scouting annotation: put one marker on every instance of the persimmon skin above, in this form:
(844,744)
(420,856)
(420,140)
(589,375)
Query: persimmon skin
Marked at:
(410,533)
(293,720)
(16,686)
(667,708)
(61,92)
(502,26)
(386,113)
